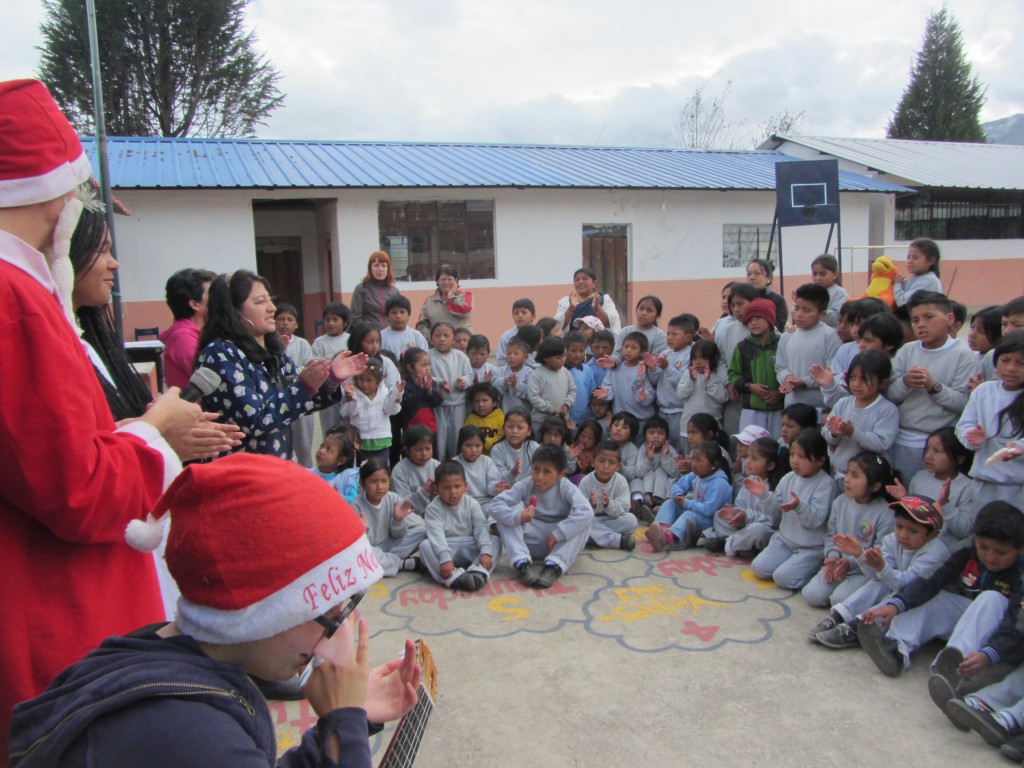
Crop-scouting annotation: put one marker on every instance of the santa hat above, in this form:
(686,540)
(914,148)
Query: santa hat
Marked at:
(257,545)
(763,308)
(41,157)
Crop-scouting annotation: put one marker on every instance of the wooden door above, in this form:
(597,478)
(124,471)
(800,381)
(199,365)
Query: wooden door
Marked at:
(606,251)
(279,259)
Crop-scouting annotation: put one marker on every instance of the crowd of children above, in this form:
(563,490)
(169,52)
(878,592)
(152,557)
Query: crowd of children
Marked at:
(862,455)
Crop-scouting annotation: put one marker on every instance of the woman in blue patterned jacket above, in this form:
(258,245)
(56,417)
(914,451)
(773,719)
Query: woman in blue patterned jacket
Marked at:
(262,390)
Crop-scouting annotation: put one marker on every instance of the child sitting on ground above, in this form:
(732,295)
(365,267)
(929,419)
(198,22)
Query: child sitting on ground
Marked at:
(483,398)
(655,469)
(334,460)
(978,616)
(459,550)
(514,454)
(861,513)
(581,452)
(695,500)
(623,430)
(387,518)
(795,419)
(608,493)
(911,550)
(412,478)
(544,517)
(482,475)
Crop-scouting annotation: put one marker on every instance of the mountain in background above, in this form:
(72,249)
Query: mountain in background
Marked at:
(1007,130)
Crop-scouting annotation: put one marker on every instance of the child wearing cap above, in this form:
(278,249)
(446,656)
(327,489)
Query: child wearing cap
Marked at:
(911,550)
(262,594)
(744,440)
(752,370)
(973,599)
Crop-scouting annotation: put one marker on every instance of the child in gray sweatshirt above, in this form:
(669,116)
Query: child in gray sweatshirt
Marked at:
(812,343)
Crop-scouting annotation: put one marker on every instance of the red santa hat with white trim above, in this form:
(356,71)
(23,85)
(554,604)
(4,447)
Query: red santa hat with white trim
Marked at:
(257,545)
(41,157)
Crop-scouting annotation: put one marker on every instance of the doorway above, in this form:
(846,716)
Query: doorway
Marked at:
(606,251)
(279,259)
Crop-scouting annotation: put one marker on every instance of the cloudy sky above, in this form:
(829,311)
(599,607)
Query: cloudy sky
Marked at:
(591,71)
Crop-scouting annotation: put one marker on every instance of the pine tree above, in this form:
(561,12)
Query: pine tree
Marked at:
(944,98)
(170,67)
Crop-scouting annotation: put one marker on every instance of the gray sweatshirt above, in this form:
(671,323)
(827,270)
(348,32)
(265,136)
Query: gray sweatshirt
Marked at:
(450,367)
(656,343)
(803,527)
(504,457)
(868,523)
(958,513)
(407,480)
(627,460)
(617,490)
(952,366)
(902,566)
(466,519)
(874,429)
(562,504)
(798,351)
(902,292)
(666,380)
(701,395)
(983,407)
(549,390)
(514,394)
(624,385)
(481,477)
(380,520)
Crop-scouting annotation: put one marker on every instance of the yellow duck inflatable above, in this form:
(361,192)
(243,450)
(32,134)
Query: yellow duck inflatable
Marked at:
(882,275)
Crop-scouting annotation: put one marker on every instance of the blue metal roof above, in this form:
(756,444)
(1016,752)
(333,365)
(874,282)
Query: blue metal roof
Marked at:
(162,163)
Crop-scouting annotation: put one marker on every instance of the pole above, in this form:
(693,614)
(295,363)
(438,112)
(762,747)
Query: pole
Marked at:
(101,150)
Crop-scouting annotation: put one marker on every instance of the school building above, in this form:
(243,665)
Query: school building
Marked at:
(516,220)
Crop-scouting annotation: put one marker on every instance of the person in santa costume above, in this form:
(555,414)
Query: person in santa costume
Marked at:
(268,589)
(71,479)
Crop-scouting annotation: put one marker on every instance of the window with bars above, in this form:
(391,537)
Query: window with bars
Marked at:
(967,217)
(743,242)
(421,235)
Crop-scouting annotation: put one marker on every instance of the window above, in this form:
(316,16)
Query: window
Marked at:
(420,236)
(743,242)
(960,215)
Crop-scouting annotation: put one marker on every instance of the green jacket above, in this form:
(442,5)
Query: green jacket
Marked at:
(754,363)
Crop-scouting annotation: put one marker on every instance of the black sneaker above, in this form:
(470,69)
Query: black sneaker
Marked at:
(1014,748)
(714,544)
(467,582)
(881,649)
(628,542)
(644,512)
(840,637)
(691,535)
(822,626)
(979,721)
(942,693)
(946,663)
(548,576)
(529,572)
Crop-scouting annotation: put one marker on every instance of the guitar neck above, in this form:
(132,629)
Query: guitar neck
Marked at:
(405,743)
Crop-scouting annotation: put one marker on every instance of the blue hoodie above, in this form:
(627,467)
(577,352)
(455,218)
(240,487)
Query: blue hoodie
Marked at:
(707,494)
(146,700)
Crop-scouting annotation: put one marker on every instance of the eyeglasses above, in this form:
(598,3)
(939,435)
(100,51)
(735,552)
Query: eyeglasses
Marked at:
(332,625)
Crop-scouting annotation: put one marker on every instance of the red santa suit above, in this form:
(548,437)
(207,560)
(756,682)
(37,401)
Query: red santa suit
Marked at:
(69,484)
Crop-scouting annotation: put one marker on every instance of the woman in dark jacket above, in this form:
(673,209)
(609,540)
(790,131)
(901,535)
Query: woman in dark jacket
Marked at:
(371,296)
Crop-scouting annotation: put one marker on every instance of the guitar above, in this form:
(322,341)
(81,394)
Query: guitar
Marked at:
(405,742)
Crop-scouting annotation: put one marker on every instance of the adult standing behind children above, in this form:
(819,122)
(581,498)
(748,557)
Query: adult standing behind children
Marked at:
(370,297)
(586,301)
(187,292)
(69,580)
(261,389)
(759,275)
(448,304)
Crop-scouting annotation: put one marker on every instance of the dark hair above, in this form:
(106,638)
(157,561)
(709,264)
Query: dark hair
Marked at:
(446,269)
(709,428)
(806,416)
(770,448)
(375,367)
(877,470)
(816,294)
(468,432)
(416,434)
(902,514)
(610,446)
(547,326)
(743,291)
(959,454)
(714,453)
(930,249)
(550,454)
(346,448)
(593,426)
(184,286)
(826,260)
(707,350)
(478,341)
(449,469)
(574,337)
(586,271)
(522,344)
(486,388)
(358,335)
(605,334)
(848,309)
(286,309)
(338,309)
(555,424)
(655,422)
(525,304)
(864,308)
(460,331)
(959,311)
(521,412)
(873,364)
(940,300)
(370,466)
(397,302)
(410,357)
(1001,521)
(1014,307)
(224,321)
(767,266)
(658,308)
(632,422)
(991,323)
(379,256)
(530,334)
(637,337)
(813,446)
(686,321)
(127,397)
(552,346)
(1011,343)
(884,327)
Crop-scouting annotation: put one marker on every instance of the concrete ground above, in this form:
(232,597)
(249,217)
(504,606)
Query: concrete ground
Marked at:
(649,659)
